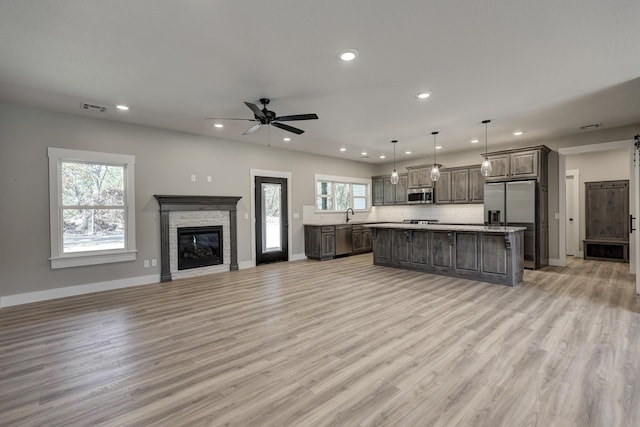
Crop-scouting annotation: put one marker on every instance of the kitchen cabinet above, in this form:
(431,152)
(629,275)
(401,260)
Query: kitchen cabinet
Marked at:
(527,163)
(476,185)
(385,193)
(319,241)
(361,237)
(454,186)
(324,242)
(419,176)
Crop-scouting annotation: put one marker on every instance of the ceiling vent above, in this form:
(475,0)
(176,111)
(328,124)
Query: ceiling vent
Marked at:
(93,107)
(591,126)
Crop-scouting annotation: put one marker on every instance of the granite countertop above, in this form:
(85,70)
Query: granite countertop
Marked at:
(328,223)
(449,227)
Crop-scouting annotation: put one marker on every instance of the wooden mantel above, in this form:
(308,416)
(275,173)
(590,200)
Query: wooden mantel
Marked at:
(170,203)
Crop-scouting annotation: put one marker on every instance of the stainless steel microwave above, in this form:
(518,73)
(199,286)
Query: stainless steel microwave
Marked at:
(420,195)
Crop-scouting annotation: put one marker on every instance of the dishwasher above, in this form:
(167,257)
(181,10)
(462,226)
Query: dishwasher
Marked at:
(343,240)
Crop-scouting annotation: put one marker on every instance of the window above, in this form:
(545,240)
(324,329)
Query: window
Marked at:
(92,207)
(339,193)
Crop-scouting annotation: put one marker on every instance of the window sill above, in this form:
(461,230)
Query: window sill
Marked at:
(78,260)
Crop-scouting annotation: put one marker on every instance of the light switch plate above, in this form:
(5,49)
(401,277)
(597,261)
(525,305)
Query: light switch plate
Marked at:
(246,216)
(296,215)
(557,215)
(193,178)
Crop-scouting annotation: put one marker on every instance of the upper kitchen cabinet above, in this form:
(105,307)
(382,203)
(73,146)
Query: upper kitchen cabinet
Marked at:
(419,176)
(385,193)
(460,185)
(525,163)
(476,185)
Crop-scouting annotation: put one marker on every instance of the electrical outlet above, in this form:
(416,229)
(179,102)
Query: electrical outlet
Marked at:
(193,178)
(154,262)
(146,263)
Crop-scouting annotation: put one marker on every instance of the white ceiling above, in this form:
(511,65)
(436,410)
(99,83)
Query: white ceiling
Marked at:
(545,66)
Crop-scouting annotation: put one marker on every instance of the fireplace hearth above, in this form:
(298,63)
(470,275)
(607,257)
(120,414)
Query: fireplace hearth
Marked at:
(199,247)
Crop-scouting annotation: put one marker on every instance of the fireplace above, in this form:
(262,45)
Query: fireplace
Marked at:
(199,247)
(178,212)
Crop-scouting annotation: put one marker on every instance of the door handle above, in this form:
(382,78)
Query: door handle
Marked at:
(631,229)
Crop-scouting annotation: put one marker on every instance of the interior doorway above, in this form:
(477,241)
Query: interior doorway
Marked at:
(572,221)
(272,224)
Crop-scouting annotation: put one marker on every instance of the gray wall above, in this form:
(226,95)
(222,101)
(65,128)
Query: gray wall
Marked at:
(599,166)
(165,162)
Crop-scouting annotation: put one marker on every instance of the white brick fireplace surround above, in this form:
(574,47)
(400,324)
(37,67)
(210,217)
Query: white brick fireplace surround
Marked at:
(195,211)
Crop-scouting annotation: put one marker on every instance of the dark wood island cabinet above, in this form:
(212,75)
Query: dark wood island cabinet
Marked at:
(486,253)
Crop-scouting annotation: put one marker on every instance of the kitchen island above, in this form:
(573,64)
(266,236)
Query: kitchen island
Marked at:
(492,254)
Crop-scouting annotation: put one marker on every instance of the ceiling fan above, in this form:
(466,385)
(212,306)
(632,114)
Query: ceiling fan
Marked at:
(269,118)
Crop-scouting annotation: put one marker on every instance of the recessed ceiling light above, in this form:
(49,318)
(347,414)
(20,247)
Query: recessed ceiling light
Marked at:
(518,133)
(407,152)
(218,125)
(343,149)
(475,140)
(423,95)
(364,153)
(348,55)
(383,156)
(438,147)
(122,107)
(286,139)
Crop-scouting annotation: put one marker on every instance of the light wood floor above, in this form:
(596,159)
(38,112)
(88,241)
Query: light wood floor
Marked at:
(339,342)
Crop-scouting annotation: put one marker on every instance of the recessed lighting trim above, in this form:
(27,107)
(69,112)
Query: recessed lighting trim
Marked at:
(218,125)
(286,139)
(364,153)
(438,147)
(343,149)
(122,107)
(423,95)
(382,156)
(518,133)
(475,140)
(407,152)
(348,55)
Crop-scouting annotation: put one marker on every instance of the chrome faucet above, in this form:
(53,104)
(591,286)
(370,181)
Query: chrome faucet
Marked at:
(352,213)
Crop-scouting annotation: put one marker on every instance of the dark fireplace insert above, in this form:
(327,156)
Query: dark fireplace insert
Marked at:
(199,246)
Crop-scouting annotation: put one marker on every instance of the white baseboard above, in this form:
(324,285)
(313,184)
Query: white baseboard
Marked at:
(26,298)
(49,294)
(242,265)
(556,262)
(297,257)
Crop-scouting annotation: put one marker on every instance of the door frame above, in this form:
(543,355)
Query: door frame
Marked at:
(634,197)
(575,173)
(271,174)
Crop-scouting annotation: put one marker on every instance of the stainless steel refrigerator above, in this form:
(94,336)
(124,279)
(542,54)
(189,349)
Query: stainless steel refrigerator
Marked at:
(514,204)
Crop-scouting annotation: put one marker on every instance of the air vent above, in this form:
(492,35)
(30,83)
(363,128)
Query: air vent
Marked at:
(93,107)
(591,126)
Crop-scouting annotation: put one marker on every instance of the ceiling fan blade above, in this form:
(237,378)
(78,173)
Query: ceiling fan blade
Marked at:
(227,118)
(257,111)
(288,128)
(252,129)
(297,117)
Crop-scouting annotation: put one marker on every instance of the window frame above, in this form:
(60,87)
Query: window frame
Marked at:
(58,258)
(342,180)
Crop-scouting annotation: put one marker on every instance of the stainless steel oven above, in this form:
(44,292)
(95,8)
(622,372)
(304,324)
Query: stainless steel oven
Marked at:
(420,195)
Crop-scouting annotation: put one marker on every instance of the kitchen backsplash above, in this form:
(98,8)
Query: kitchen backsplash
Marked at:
(458,214)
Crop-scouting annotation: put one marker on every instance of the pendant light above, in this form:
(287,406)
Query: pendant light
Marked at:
(394,175)
(435,169)
(485,169)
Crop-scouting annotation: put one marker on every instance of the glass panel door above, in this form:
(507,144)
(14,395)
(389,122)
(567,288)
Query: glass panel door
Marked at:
(271,215)
(272,228)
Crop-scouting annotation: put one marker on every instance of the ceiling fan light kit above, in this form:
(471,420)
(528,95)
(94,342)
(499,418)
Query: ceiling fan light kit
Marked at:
(265,117)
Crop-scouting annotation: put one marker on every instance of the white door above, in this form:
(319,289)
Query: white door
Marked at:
(573,212)
(634,210)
